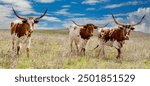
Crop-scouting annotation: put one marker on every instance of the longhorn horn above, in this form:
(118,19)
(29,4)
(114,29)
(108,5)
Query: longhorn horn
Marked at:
(42,15)
(103,26)
(139,21)
(77,24)
(115,20)
(17,14)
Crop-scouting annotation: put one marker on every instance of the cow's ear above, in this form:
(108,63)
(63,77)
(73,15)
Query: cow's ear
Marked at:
(36,21)
(95,27)
(24,21)
(120,27)
(132,28)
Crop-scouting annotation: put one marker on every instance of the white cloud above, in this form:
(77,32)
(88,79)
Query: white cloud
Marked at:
(93,2)
(5,11)
(23,6)
(83,21)
(44,25)
(51,19)
(65,12)
(134,17)
(74,2)
(90,9)
(48,28)
(62,12)
(7,16)
(5,22)
(66,6)
(144,26)
(45,1)
(18,3)
(76,14)
(123,4)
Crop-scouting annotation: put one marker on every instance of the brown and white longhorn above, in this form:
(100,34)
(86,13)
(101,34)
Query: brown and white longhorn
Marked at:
(80,34)
(21,31)
(115,37)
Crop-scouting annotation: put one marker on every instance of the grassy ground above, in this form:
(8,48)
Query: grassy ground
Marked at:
(50,49)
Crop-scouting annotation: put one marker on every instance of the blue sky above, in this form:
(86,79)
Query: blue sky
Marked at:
(60,12)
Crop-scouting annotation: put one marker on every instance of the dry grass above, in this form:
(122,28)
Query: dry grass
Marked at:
(50,49)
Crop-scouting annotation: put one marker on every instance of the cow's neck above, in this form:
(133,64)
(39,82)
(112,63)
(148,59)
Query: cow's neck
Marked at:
(85,34)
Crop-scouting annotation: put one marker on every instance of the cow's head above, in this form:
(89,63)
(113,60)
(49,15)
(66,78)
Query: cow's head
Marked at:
(89,27)
(127,28)
(30,21)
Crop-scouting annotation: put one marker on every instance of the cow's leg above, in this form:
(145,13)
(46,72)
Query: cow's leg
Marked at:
(13,44)
(82,47)
(18,47)
(118,46)
(119,56)
(99,49)
(27,52)
(103,51)
(76,44)
(28,46)
(18,50)
(13,41)
(71,45)
(119,51)
(83,51)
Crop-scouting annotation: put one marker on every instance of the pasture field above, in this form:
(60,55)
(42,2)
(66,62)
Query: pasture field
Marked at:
(50,49)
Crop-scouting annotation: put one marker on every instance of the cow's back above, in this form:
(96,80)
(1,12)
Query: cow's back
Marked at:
(113,34)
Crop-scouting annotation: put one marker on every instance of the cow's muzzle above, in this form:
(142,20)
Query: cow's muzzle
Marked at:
(30,31)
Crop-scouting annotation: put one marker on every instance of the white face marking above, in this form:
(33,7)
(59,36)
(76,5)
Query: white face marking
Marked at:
(31,22)
(127,30)
(127,33)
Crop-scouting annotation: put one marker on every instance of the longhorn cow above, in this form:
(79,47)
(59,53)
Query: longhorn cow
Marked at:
(21,31)
(80,34)
(115,37)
